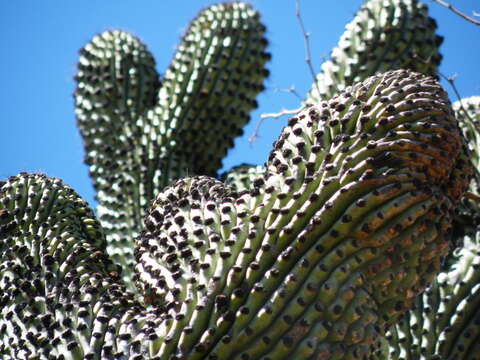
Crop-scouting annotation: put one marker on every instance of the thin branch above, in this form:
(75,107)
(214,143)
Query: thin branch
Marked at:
(281,113)
(284,112)
(290,90)
(306,37)
(458,12)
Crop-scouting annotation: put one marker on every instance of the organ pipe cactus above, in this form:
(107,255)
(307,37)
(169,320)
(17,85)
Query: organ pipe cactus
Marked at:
(318,255)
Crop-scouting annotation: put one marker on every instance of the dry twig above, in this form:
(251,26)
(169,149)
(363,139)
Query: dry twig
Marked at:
(280,114)
(306,37)
(458,12)
(290,90)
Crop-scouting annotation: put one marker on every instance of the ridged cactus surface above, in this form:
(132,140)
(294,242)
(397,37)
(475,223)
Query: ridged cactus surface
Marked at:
(358,239)
(468,114)
(384,35)
(347,226)
(140,134)
(445,320)
(325,251)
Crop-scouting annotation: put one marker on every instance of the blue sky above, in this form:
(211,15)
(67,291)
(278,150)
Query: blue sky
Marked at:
(40,42)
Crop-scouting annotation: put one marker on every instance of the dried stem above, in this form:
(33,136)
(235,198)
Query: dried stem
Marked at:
(284,112)
(458,12)
(306,37)
(290,90)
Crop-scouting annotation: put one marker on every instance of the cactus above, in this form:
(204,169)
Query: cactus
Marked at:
(140,134)
(338,248)
(444,322)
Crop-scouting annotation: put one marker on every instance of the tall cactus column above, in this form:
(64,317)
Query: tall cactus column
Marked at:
(140,134)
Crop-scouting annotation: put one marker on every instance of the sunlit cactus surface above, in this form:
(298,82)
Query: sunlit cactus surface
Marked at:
(357,239)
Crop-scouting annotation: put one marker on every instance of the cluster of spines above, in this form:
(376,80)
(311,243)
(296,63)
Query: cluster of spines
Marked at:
(445,320)
(59,291)
(328,248)
(384,35)
(140,134)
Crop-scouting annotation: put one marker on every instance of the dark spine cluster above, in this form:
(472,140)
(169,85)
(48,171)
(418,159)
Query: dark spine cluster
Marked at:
(60,295)
(242,177)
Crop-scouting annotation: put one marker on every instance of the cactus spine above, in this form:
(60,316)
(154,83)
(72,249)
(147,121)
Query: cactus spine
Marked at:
(319,254)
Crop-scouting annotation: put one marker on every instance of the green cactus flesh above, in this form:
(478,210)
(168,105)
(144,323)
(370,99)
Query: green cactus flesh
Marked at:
(325,252)
(445,320)
(384,35)
(140,134)
(467,112)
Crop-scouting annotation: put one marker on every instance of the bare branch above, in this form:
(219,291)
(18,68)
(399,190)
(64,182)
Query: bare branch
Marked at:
(280,114)
(290,90)
(458,12)
(306,37)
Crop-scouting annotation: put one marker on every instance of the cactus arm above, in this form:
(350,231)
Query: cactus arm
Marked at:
(211,85)
(56,282)
(467,111)
(116,83)
(445,321)
(329,249)
(384,35)
(140,134)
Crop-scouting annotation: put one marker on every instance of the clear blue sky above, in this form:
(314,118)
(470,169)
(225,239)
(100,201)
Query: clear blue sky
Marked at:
(40,41)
